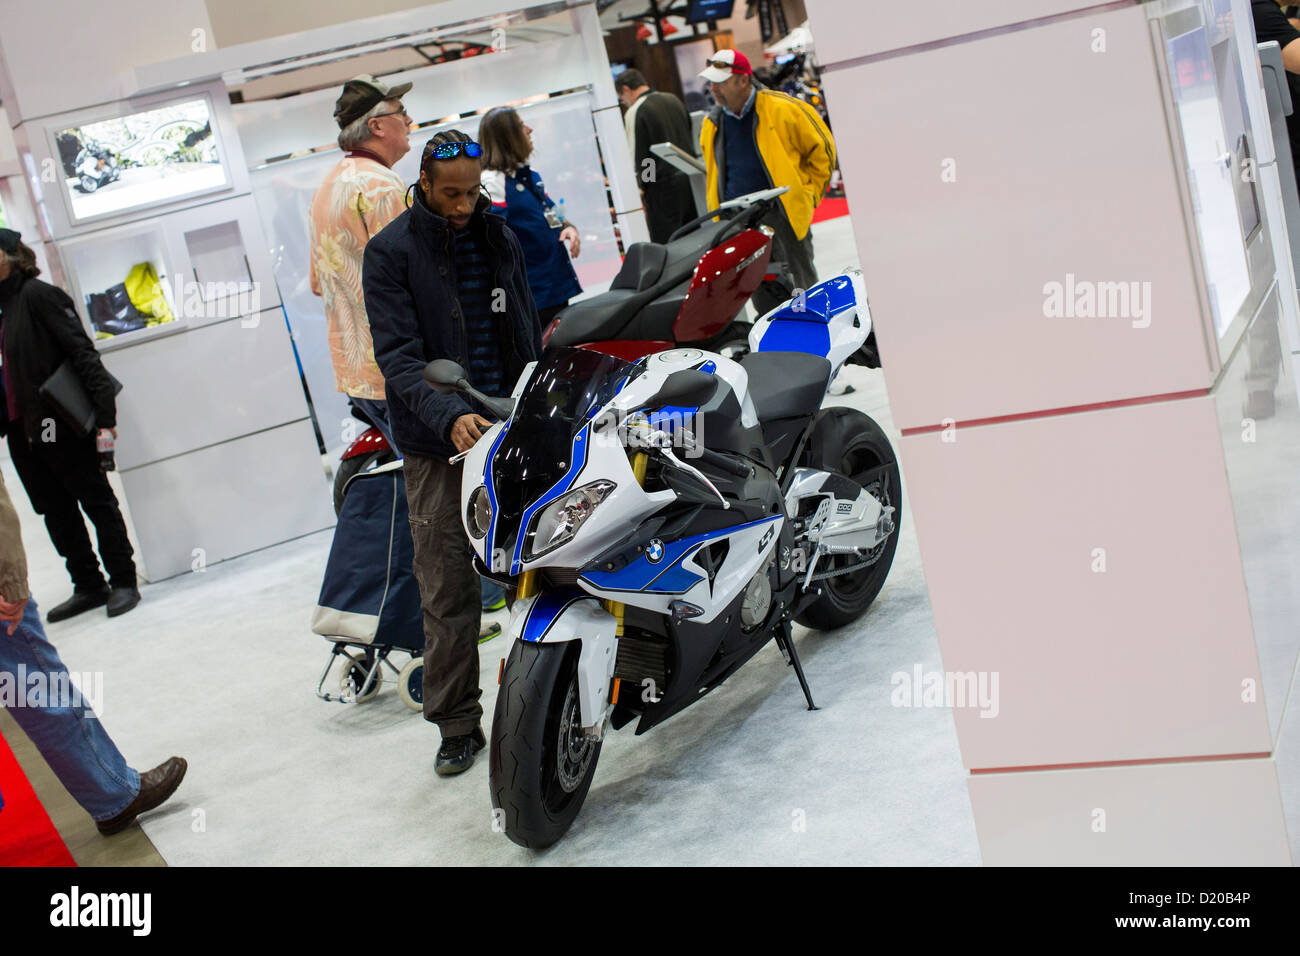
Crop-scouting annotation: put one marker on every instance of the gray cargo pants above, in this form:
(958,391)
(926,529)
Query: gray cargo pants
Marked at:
(450,595)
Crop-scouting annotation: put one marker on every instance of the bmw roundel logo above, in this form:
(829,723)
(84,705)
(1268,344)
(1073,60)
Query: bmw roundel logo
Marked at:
(654,551)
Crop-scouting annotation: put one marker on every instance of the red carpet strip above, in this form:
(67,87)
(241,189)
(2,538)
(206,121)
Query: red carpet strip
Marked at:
(27,837)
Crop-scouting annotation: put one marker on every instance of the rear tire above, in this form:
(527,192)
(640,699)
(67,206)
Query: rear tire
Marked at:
(540,767)
(845,598)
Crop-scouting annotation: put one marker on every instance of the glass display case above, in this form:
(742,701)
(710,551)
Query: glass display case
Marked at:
(1204,71)
(158,276)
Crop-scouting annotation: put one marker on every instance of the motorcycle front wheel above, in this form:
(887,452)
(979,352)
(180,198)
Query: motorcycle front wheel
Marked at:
(89,184)
(540,765)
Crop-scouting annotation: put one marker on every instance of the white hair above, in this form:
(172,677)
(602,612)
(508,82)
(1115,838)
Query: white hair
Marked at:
(357,133)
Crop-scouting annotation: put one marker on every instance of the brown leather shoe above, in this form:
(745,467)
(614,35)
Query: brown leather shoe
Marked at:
(156,786)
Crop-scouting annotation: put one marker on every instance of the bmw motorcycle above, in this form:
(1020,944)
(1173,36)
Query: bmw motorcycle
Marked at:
(659,522)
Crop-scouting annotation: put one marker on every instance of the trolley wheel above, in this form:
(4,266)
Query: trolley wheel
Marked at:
(410,684)
(355,672)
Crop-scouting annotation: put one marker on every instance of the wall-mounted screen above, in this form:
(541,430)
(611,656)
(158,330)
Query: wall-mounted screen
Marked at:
(701,11)
(146,158)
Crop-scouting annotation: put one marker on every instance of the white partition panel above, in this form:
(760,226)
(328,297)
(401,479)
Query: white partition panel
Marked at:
(1221,813)
(226,500)
(239,372)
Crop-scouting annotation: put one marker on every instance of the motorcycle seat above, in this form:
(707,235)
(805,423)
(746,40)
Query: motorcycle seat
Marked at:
(649,271)
(786,384)
(642,267)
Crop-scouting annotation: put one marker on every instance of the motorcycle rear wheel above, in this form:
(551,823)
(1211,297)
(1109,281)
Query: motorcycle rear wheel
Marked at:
(540,766)
(846,597)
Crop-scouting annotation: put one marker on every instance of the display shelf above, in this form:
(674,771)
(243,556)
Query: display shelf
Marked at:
(97,267)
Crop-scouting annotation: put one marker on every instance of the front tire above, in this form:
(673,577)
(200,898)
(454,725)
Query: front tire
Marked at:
(540,766)
(862,446)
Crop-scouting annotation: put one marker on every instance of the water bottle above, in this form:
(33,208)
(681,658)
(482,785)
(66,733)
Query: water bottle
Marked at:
(559,211)
(104,445)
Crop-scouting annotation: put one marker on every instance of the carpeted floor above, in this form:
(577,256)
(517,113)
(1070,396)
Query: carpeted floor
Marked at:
(27,836)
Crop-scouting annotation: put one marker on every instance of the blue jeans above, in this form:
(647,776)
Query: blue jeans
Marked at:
(66,732)
(377,411)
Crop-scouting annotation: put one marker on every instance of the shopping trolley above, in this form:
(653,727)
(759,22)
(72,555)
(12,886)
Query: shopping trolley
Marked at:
(369,603)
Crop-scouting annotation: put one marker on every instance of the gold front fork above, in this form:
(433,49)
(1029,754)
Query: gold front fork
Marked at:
(639,462)
(527,584)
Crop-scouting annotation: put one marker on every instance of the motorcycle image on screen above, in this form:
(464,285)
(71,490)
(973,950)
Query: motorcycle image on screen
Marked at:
(659,522)
(95,167)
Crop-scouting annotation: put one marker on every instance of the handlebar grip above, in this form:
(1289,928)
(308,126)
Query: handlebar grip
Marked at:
(723,462)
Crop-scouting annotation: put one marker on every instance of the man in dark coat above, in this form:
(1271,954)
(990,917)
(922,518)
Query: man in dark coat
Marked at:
(39,331)
(657,118)
(446,280)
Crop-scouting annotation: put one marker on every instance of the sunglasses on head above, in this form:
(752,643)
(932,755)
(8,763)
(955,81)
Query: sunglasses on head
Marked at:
(452,150)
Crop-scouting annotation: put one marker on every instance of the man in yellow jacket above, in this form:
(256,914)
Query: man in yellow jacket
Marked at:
(756,138)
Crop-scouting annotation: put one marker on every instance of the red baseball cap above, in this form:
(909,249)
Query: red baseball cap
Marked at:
(727,63)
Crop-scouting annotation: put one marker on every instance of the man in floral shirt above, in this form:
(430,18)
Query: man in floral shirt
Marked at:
(359,197)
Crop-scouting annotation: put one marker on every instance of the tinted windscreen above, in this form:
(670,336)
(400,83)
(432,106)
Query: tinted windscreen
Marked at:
(566,389)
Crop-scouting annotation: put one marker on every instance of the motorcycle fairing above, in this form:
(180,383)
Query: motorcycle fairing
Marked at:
(719,283)
(577,461)
(540,453)
(669,574)
(833,321)
(748,547)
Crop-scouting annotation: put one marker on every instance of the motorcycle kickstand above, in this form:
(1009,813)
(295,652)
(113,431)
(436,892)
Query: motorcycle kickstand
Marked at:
(785,641)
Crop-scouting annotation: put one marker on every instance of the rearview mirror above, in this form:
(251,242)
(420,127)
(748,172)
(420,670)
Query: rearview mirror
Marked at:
(445,376)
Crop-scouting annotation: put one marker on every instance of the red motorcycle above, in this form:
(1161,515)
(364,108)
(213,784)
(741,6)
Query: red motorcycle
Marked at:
(688,291)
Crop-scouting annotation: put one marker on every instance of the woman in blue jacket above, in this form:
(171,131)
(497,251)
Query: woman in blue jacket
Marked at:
(517,193)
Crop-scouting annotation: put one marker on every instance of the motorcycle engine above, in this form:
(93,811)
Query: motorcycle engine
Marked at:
(758,598)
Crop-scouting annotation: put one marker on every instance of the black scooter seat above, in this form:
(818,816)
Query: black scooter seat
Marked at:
(649,272)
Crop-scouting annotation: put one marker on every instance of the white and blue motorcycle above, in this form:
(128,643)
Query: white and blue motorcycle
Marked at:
(659,522)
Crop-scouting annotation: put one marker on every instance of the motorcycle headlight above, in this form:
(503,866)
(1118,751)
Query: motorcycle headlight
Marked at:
(559,521)
(478,515)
